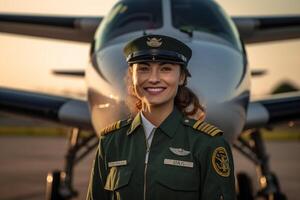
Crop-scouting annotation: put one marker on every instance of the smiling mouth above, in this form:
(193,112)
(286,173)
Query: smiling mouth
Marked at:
(154,90)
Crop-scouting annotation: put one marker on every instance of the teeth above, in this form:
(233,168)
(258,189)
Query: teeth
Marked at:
(155,89)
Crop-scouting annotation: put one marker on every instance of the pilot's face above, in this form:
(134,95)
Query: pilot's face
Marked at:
(156,83)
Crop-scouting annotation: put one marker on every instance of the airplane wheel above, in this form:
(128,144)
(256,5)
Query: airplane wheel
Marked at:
(53,185)
(245,187)
(278,195)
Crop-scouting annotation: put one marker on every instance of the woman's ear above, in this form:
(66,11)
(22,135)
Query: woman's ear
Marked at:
(182,79)
(183,76)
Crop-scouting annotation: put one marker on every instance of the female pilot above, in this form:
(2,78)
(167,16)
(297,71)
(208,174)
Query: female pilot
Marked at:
(162,152)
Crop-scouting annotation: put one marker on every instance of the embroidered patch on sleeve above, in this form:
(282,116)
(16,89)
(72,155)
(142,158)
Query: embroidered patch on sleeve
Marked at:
(220,161)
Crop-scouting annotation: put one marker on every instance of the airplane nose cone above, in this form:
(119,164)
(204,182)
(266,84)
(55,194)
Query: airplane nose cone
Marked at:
(217,70)
(221,81)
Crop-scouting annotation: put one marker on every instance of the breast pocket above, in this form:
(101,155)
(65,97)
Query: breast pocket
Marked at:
(117,178)
(177,182)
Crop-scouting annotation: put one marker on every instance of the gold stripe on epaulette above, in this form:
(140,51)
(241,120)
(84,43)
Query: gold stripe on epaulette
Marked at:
(208,129)
(215,132)
(118,124)
(212,130)
(111,127)
(197,124)
(201,126)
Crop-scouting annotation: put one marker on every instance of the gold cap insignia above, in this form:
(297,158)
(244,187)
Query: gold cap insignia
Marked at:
(220,162)
(154,42)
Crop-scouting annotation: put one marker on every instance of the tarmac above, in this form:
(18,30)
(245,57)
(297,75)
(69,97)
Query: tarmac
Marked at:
(25,162)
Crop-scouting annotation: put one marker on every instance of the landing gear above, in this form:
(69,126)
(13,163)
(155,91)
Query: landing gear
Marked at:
(274,192)
(245,190)
(254,149)
(53,185)
(60,183)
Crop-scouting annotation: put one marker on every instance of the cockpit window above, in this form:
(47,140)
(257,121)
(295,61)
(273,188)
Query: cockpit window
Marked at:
(129,16)
(205,16)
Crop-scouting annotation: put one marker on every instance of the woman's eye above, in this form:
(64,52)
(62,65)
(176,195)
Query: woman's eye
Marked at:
(143,69)
(166,68)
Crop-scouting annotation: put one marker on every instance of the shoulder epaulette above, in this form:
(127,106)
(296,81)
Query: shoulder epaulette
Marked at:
(207,128)
(115,126)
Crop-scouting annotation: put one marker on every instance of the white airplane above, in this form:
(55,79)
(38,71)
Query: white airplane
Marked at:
(220,76)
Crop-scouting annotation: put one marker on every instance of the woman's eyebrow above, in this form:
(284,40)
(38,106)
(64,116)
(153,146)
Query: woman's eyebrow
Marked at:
(144,63)
(163,63)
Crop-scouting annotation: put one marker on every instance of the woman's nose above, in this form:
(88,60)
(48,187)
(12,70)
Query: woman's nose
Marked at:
(154,76)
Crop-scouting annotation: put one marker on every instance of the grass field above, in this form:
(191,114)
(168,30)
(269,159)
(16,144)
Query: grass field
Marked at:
(33,131)
(280,133)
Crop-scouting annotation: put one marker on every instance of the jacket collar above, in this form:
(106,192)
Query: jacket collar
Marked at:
(135,123)
(168,126)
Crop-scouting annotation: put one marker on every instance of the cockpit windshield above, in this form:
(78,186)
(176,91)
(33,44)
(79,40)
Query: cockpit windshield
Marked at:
(205,16)
(129,16)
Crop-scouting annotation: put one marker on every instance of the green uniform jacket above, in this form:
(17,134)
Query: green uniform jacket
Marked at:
(188,160)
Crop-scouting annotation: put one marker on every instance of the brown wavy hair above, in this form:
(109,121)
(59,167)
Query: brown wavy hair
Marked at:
(185,100)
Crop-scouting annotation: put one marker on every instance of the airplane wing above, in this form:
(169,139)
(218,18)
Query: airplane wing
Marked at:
(277,108)
(80,29)
(252,29)
(65,111)
(70,73)
(263,29)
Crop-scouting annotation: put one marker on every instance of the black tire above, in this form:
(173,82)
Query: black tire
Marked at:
(53,186)
(278,195)
(245,189)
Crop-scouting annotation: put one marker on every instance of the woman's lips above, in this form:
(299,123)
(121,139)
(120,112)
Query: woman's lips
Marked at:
(154,90)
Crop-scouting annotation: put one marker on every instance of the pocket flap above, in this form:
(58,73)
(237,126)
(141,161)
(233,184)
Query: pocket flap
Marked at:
(179,179)
(118,177)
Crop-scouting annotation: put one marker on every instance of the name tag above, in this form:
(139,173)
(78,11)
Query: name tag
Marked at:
(117,163)
(178,163)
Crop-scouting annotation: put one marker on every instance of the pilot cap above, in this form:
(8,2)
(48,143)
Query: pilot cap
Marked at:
(157,48)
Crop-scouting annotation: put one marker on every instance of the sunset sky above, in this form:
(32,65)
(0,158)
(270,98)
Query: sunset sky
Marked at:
(26,62)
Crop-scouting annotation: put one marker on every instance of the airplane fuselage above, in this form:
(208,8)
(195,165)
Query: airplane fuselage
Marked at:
(220,76)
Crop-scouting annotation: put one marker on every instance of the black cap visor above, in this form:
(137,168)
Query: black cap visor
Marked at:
(156,55)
